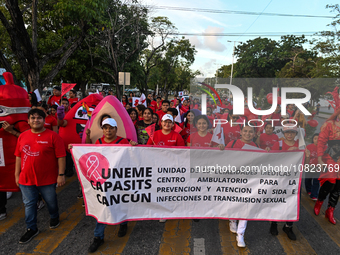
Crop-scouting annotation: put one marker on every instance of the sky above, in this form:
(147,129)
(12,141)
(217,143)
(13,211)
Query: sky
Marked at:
(213,52)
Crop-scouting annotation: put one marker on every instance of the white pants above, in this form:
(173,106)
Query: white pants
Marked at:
(241,227)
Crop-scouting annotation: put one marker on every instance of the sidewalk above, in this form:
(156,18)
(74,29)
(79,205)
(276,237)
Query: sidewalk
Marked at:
(323,116)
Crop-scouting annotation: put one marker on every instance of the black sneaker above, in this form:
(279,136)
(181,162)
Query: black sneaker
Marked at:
(289,232)
(54,223)
(96,243)
(28,236)
(122,230)
(273,229)
(80,195)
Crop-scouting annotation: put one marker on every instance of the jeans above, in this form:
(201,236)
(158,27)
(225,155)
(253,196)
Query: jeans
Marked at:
(312,185)
(3,201)
(30,196)
(100,227)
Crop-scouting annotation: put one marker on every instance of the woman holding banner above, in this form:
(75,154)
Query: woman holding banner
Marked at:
(166,136)
(247,135)
(329,177)
(109,127)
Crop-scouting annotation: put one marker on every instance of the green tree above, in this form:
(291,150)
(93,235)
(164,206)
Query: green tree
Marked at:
(160,28)
(121,40)
(39,33)
(176,50)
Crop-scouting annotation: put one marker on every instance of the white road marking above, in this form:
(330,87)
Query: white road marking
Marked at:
(199,248)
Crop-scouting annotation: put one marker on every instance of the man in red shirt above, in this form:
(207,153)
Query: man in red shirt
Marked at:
(40,163)
(164,110)
(55,98)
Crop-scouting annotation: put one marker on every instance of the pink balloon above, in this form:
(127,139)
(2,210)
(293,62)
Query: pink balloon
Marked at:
(269,95)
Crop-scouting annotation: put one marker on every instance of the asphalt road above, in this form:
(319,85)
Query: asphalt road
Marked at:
(315,235)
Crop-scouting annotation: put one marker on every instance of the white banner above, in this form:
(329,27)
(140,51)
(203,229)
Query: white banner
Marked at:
(2,157)
(148,183)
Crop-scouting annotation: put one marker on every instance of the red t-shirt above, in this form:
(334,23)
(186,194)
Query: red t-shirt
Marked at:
(268,140)
(231,133)
(39,157)
(73,100)
(50,121)
(153,106)
(171,139)
(313,154)
(54,99)
(284,146)
(123,141)
(160,114)
(198,141)
(239,144)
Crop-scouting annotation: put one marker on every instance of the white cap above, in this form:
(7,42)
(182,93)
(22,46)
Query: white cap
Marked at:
(110,122)
(167,117)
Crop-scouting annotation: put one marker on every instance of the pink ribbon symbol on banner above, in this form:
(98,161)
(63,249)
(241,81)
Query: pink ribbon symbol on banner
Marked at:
(92,165)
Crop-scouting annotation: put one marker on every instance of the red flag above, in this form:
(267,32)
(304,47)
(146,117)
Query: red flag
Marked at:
(66,87)
(177,129)
(151,130)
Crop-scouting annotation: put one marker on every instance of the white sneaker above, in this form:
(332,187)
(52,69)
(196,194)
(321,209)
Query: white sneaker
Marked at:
(162,221)
(9,194)
(233,226)
(240,241)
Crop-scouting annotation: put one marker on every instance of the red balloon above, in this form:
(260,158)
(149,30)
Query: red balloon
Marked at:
(269,95)
(313,123)
(279,100)
(270,100)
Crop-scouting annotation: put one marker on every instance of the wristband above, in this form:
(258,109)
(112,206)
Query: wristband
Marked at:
(61,174)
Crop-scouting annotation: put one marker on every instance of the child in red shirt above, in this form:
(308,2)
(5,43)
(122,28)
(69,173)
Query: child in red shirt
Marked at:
(268,139)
